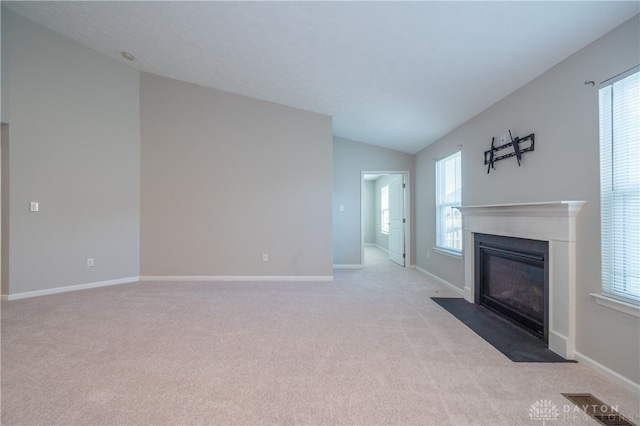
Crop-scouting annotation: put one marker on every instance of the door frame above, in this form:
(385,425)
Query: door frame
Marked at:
(406,176)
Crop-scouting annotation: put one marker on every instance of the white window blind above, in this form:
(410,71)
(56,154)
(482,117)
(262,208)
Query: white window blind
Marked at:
(620,185)
(449,195)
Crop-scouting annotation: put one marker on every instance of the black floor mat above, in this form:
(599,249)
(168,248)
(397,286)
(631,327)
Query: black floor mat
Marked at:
(515,343)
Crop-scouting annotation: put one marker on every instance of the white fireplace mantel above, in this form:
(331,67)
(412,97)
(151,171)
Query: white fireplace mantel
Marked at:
(553,222)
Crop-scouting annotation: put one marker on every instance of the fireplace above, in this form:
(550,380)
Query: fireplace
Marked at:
(551,222)
(512,277)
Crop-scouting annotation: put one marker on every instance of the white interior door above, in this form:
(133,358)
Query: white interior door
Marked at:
(396,222)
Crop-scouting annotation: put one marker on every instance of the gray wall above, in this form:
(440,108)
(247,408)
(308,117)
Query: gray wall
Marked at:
(75,149)
(563,113)
(350,159)
(4,73)
(226,178)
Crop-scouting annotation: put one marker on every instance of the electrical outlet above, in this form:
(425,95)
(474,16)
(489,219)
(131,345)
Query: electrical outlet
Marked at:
(34,206)
(265,257)
(428,255)
(90,261)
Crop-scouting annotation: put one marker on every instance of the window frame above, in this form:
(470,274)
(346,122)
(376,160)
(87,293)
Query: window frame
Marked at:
(616,292)
(384,223)
(442,205)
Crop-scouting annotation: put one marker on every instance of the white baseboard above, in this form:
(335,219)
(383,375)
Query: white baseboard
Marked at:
(606,372)
(348,266)
(238,278)
(440,280)
(49,291)
(559,344)
(65,289)
(382,248)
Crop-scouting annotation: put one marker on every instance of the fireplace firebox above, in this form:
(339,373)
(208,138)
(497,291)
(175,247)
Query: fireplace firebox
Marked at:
(513,279)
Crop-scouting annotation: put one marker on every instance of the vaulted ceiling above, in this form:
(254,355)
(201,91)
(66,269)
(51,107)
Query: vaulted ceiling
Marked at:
(394,74)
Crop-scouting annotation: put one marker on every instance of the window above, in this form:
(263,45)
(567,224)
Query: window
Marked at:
(384,209)
(449,195)
(620,185)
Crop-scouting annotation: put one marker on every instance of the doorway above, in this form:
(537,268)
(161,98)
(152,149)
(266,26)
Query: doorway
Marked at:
(385,215)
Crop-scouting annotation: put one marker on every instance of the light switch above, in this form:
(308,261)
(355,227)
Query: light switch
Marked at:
(33,206)
(341,207)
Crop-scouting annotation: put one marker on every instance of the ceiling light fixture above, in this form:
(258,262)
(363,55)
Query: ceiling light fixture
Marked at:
(128,56)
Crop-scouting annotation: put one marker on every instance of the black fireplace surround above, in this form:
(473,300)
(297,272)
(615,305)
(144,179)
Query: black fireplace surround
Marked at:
(512,279)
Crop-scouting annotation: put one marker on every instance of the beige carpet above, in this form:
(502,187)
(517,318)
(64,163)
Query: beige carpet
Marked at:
(369,348)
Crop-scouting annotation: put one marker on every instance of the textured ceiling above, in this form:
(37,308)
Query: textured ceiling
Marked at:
(394,74)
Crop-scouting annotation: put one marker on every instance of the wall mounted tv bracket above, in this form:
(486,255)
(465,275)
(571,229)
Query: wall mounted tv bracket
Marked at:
(520,146)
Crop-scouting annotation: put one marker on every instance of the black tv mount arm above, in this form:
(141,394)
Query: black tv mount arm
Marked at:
(520,146)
